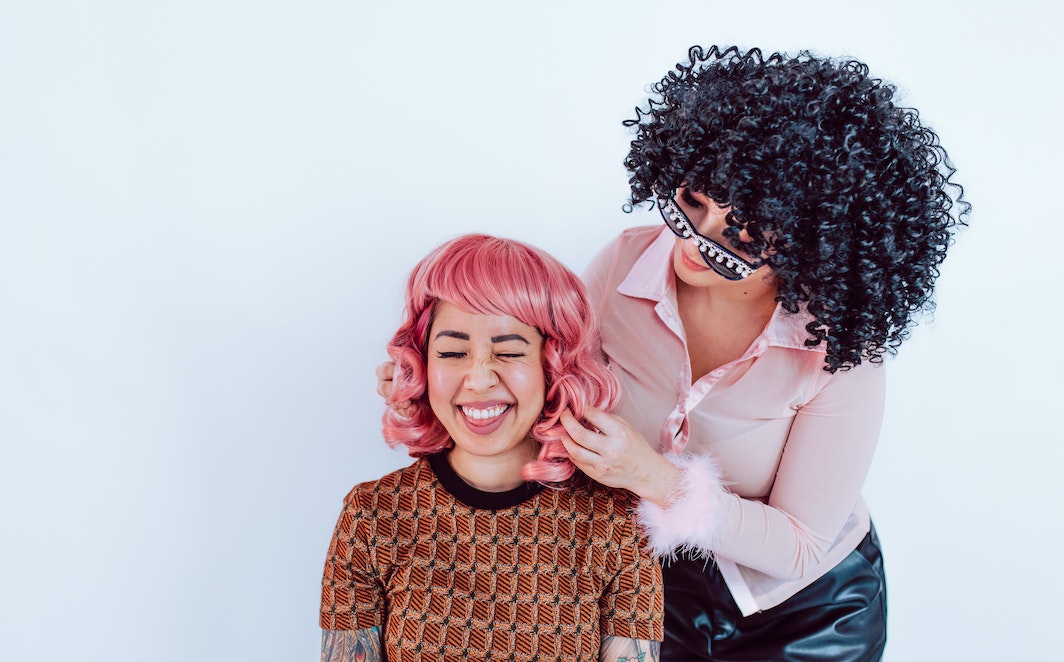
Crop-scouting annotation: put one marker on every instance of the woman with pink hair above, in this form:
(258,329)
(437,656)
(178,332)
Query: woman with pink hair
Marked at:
(466,552)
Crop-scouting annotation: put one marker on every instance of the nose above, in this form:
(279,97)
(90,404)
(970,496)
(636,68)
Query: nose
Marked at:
(481,375)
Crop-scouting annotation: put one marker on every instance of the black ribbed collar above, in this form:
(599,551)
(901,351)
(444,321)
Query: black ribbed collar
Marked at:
(473,497)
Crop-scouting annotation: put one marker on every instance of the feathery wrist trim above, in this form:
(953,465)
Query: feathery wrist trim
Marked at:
(691,522)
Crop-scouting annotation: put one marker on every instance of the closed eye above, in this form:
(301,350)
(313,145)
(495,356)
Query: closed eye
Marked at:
(450,355)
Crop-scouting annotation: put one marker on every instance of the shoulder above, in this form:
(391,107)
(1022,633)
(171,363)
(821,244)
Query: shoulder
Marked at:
(601,504)
(612,263)
(639,235)
(611,532)
(630,243)
(612,500)
(391,489)
(861,375)
(373,509)
(858,390)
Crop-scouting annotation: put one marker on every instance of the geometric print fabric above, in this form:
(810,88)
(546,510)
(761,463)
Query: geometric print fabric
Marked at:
(544,579)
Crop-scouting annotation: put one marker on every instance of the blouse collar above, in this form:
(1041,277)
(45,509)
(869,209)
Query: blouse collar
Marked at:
(651,277)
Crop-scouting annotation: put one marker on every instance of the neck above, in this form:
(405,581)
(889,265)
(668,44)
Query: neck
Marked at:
(490,474)
(720,323)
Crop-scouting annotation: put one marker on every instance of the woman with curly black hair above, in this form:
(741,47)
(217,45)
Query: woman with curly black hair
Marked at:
(806,215)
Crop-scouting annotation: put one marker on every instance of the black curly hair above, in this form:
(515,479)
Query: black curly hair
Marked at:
(848,194)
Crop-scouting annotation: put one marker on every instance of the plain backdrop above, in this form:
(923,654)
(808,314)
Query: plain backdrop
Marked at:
(208,209)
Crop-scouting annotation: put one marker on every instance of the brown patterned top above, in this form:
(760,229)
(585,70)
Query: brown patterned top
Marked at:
(531,574)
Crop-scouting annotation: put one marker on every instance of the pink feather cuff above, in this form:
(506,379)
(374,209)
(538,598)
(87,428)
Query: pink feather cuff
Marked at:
(691,522)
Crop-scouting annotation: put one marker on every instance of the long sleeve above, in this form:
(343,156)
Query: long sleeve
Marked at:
(825,459)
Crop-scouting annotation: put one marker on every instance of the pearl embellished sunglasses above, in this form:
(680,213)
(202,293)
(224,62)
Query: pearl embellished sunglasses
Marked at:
(720,259)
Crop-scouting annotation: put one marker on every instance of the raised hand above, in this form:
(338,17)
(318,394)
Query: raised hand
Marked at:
(617,455)
(384,388)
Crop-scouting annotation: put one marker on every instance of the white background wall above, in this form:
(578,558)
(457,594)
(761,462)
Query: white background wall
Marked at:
(207,209)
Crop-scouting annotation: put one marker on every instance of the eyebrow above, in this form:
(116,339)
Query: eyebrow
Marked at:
(510,336)
(494,339)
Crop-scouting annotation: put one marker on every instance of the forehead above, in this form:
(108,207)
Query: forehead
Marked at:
(478,326)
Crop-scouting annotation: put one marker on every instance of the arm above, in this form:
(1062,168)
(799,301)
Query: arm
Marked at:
(352,595)
(619,649)
(632,603)
(351,645)
(824,463)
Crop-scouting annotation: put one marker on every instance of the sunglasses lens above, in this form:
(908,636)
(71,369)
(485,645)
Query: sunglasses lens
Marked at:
(722,265)
(674,218)
(711,252)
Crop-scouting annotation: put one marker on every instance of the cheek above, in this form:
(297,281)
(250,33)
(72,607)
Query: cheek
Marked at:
(531,384)
(677,251)
(439,384)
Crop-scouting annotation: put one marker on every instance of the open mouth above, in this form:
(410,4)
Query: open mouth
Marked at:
(484,415)
(484,420)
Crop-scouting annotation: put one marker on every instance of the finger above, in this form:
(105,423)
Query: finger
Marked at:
(384,389)
(606,423)
(385,371)
(581,435)
(580,456)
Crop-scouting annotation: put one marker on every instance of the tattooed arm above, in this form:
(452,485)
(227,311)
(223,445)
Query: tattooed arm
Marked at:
(620,649)
(352,645)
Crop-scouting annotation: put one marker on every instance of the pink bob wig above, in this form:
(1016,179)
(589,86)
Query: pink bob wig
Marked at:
(492,276)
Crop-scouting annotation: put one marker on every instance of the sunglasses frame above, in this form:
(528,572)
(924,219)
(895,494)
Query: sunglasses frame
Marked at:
(722,260)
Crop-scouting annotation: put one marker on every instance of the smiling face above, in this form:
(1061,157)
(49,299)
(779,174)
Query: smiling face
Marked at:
(709,219)
(486,386)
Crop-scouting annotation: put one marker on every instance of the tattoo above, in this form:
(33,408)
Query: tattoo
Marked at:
(351,645)
(621,649)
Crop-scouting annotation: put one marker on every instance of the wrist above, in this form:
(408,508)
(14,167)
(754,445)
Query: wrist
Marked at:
(691,514)
(661,481)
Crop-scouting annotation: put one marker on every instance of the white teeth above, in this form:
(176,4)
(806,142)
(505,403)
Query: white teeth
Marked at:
(484,414)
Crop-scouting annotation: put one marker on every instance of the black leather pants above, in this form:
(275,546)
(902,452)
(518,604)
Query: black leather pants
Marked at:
(841,617)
